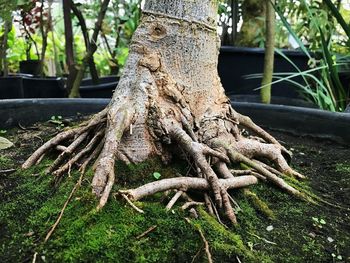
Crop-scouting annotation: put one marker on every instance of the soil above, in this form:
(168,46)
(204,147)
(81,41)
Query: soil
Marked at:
(297,231)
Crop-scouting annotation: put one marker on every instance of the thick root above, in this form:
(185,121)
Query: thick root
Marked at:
(64,136)
(186,183)
(100,139)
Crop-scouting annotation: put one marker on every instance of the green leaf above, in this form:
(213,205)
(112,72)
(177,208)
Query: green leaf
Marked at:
(322,221)
(156,175)
(338,16)
(5,143)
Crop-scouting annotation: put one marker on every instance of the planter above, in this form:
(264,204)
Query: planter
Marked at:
(11,88)
(27,87)
(237,62)
(347,110)
(32,67)
(43,88)
(274,100)
(104,89)
(299,121)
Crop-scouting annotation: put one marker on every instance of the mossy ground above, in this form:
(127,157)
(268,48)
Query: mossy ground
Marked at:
(29,205)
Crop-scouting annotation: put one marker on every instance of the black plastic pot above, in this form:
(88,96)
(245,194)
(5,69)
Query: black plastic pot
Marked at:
(104,89)
(27,87)
(300,121)
(11,88)
(43,88)
(347,110)
(274,100)
(237,62)
(32,67)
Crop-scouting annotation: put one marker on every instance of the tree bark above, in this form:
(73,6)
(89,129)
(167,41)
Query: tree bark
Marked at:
(87,41)
(68,33)
(269,58)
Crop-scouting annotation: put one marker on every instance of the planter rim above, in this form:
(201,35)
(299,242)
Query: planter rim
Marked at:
(296,120)
(99,86)
(255,50)
(30,77)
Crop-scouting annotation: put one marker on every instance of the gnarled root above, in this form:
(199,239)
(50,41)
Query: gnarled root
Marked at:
(101,137)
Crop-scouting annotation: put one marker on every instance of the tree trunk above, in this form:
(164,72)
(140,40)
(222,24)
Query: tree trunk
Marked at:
(68,33)
(44,32)
(269,52)
(169,101)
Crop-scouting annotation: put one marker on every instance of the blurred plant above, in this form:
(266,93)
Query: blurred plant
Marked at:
(118,27)
(29,21)
(6,10)
(228,21)
(322,85)
(252,32)
(91,43)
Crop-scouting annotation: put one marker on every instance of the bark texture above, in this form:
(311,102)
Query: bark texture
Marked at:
(170,101)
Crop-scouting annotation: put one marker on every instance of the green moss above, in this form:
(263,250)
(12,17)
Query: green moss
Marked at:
(258,204)
(343,167)
(5,161)
(31,205)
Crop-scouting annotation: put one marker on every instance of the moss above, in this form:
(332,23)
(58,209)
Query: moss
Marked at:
(5,161)
(31,205)
(343,168)
(258,204)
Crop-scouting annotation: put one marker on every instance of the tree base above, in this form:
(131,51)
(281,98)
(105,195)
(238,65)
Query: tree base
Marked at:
(98,141)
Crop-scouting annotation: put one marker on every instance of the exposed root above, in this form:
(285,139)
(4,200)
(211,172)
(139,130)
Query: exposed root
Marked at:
(104,177)
(7,171)
(152,228)
(186,183)
(64,136)
(54,226)
(131,204)
(246,122)
(211,158)
(197,152)
(79,155)
(190,204)
(237,157)
(173,200)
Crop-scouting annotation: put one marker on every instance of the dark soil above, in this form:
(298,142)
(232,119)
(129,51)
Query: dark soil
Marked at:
(296,232)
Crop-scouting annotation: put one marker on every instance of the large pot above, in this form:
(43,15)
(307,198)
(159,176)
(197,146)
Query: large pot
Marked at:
(300,121)
(237,62)
(44,88)
(11,87)
(29,87)
(104,88)
(32,67)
